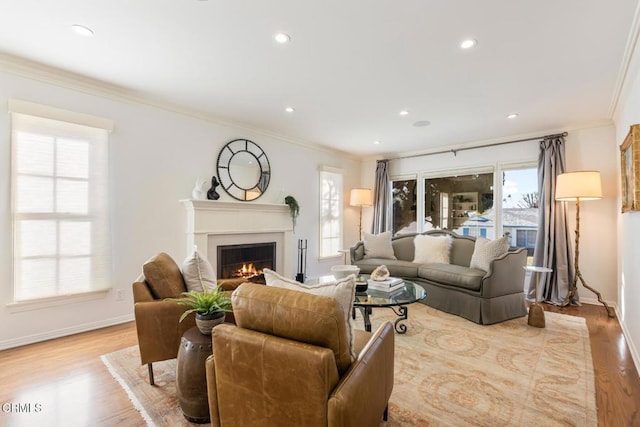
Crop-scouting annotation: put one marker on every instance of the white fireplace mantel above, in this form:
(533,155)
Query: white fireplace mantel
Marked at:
(210,220)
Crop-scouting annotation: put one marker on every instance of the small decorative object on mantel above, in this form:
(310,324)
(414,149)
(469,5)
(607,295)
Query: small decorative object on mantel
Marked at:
(380,273)
(199,192)
(212,194)
(211,308)
(294,209)
(302,260)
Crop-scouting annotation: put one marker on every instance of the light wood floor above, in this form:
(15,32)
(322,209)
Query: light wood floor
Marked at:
(68,380)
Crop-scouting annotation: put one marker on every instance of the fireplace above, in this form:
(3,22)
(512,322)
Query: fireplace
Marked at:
(245,261)
(211,224)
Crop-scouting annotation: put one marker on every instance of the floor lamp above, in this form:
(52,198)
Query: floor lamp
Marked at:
(361,197)
(579,186)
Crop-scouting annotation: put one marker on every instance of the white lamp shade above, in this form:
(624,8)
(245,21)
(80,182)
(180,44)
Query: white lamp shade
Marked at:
(583,185)
(361,197)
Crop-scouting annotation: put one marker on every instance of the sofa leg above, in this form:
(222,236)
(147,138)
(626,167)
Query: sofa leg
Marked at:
(385,416)
(151,381)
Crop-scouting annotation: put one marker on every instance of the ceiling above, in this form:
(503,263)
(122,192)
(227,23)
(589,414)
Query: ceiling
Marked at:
(350,67)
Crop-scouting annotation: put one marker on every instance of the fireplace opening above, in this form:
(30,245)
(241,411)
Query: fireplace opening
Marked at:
(246,261)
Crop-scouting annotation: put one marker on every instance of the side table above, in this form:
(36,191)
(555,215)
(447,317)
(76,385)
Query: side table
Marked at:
(191,378)
(536,312)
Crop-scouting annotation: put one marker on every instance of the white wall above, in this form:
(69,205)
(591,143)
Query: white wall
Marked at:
(592,148)
(628,279)
(156,156)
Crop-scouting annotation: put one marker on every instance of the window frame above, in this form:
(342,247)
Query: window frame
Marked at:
(60,125)
(337,172)
(444,173)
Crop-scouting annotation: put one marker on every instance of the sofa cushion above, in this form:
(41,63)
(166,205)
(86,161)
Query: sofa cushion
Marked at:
(343,291)
(453,275)
(378,245)
(396,268)
(432,249)
(163,276)
(486,250)
(198,273)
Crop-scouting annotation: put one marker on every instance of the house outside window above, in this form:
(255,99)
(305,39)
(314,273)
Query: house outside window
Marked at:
(331,203)
(520,207)
(59,180)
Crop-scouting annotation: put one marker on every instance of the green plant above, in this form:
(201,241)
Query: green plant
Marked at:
(294,209)
(205,303)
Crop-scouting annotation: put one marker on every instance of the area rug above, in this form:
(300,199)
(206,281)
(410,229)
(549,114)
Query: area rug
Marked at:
(448,372)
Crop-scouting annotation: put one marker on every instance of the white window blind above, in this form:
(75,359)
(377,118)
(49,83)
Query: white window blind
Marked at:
(60,198)
(330,212)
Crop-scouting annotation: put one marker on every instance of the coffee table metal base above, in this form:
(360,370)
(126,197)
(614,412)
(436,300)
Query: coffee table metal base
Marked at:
(402,311)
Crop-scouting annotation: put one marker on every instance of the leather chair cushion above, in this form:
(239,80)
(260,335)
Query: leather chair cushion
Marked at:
(163,276)
(294,315)
(343,290)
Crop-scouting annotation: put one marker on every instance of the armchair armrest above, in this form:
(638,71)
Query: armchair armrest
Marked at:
(361,396)
(505,275)
(159,330)
(141,292)
(357,252)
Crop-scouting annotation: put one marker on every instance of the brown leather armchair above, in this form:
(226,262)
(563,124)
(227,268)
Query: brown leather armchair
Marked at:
(287,363)
(157,319)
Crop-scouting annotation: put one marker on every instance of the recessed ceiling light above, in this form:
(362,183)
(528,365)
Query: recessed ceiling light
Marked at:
(82,30)
(282,38)
(468,43)
(376,142)
(289,109)
(404,112)
(512,115)
(421,123)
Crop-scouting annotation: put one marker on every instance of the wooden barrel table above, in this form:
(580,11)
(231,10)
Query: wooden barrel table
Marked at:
(191,378)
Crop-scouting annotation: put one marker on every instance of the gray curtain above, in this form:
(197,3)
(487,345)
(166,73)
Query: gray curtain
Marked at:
(381,198)
(553,241)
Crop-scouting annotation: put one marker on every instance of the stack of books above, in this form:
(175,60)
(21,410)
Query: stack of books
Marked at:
(389,285)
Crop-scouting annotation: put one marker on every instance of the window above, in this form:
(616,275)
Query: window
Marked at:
(520,207)
(403,197)
(462,203)
(330,212)
(59,201)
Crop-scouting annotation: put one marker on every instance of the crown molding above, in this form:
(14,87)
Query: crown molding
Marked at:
(69,80)
(625,67)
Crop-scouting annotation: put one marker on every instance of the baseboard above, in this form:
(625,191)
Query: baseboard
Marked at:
(594,301)
(635,356)
(44,336)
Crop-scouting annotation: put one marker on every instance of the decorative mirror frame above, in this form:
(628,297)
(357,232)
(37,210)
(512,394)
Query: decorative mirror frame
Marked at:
(233,187)
(630,169)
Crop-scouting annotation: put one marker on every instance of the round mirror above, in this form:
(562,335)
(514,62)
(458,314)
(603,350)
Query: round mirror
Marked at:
(243,170)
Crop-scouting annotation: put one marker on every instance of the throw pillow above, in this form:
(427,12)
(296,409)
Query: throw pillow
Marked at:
(432,249)
(343,291)
(486,250)
(378,245)
(198,273)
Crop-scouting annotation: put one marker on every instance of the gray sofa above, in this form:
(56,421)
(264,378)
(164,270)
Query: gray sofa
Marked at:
(482,297)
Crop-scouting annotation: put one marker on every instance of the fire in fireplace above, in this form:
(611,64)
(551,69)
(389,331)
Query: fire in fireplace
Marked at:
(245,260)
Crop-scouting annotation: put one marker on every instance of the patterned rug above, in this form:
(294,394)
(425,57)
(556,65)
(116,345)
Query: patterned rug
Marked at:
(448,372)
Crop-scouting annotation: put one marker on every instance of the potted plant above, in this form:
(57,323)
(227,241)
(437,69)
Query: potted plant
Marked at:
(210,308)
(294,209)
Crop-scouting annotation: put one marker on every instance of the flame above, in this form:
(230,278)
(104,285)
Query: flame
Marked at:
(247,270)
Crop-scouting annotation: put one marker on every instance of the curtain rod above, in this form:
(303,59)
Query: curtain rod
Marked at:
(455,150)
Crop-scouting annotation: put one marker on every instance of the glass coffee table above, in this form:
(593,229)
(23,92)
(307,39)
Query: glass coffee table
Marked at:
(397,300)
